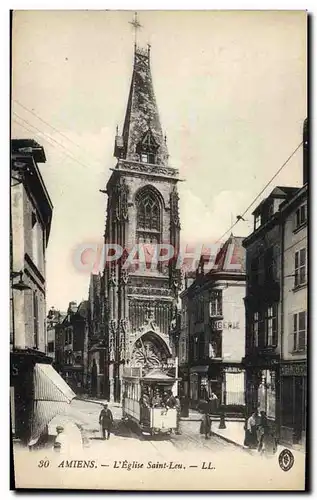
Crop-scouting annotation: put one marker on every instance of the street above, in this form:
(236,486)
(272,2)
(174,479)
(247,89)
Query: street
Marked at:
(126,438)
(129,460)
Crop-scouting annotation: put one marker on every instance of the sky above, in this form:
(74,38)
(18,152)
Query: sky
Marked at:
(231,92)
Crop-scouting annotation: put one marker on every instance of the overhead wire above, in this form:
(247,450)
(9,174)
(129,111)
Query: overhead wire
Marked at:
(53,128)
(48,139)
(46,123)
(262,191)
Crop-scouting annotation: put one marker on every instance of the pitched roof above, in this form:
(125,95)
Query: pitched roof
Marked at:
(142,117)
(83,308)
(278,192)
(231,257)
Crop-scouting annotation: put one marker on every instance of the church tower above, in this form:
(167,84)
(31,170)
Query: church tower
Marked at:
(142,210)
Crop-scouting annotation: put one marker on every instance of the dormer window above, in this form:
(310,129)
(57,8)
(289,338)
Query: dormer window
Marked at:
(147,148)
(257,221)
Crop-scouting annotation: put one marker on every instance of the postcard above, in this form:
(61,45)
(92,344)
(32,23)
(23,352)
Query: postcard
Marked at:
(159,251)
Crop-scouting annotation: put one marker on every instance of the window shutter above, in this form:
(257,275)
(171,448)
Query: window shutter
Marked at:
(290,336)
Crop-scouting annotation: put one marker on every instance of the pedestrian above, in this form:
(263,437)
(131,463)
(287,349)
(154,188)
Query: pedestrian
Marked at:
(261,429)
(106,421)
(60,442)
(250,439)
(212,402)
(205,426)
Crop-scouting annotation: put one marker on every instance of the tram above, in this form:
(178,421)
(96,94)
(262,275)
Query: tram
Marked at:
(150,420)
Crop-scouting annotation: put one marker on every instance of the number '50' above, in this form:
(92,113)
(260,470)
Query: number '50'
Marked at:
(44,463)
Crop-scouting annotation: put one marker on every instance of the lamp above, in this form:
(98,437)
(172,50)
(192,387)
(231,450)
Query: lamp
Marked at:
(21,285)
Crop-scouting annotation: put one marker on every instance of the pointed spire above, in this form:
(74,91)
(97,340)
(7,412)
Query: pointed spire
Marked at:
(142,113)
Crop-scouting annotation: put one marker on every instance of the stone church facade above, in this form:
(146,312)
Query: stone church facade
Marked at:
(139,298)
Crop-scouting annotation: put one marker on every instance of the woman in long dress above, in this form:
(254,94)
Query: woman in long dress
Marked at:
(205,426)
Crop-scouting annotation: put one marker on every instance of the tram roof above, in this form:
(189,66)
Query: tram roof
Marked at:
(155,375)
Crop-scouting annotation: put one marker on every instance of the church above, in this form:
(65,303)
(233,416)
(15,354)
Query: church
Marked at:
(137,302)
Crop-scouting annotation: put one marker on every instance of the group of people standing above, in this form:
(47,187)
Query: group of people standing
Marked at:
(259,434)
(159,399)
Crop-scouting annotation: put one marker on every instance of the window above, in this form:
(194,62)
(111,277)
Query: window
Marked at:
(300,331)
(50,347)
(257,221)
(147,148)
(144,158)
(35,320)
(215,306)
(195,349)
(271,326)
(148,212)
(300,216)
(256,329)
(300,267)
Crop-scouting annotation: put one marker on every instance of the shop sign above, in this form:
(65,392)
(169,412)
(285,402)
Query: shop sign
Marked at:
(233,369)
(226,325)
(293,370)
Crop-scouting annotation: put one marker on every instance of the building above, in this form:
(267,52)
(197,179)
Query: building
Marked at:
(54,318)
(96,335)
(35,398)
(276,309)
(142,210)
(294,306)
(72,346)
(213,330)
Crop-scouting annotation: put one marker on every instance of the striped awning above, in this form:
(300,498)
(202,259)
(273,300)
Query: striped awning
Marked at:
(51,397)
(43,413)
(49,385)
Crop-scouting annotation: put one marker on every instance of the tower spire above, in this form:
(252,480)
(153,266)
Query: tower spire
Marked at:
(136,26)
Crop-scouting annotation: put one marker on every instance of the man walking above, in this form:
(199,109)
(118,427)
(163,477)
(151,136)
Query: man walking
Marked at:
(106,421)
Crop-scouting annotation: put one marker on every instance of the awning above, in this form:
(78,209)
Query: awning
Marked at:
(199,369)
(49,385)
(43,413)
(51,397)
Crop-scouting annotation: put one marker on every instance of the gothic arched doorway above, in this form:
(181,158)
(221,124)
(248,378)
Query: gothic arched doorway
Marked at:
(150,351)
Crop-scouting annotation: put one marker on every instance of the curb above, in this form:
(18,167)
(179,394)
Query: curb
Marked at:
(229,440)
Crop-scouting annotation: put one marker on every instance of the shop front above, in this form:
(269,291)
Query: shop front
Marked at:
(262,388)
(204,380)
(293,403)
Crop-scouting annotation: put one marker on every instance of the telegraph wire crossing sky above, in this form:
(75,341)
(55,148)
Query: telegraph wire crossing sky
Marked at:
(227,106)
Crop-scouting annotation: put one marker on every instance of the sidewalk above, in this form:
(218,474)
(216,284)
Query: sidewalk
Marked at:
(234,433)
(90,399)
